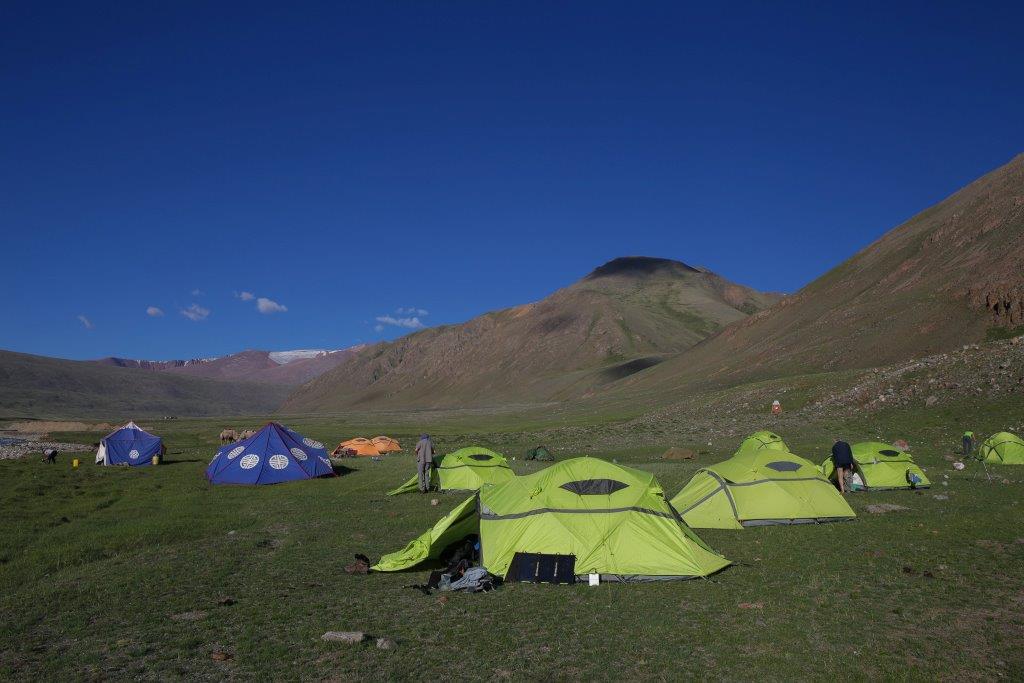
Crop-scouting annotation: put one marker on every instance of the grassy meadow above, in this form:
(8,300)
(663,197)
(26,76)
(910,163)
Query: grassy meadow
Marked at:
(153,574)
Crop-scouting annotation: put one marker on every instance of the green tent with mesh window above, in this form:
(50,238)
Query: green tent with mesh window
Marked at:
(613,520)
(757,488)
(763,440)
(466,469)
(1002,448)
(882,467)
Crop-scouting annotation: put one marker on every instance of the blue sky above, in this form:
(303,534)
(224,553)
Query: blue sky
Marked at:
(350,161)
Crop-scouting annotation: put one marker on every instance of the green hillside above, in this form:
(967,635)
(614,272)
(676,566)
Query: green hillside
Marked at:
(40,387)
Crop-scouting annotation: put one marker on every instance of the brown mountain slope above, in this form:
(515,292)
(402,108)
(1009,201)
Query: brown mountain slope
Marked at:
(246,366)
(942,279)
(621,318)
(37,386)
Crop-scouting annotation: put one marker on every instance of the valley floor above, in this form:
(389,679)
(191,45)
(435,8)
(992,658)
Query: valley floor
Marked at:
(110,573)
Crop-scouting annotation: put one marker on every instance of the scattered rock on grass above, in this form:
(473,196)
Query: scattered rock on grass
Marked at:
(221,656)
(385,644)
(940,496)
(226,602)
(751,605)
(880,508)
(348,637)
(194,615)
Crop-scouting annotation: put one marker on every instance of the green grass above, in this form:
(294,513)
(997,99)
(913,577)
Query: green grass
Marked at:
(96,562)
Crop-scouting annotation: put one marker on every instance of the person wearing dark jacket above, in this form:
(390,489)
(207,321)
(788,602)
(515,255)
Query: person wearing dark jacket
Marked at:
(842,459)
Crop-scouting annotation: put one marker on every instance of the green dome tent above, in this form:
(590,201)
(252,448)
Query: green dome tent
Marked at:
(760,487)
(539,453)
(466,469)
(613,520)
(763,440)
(881,467)
(1002,448)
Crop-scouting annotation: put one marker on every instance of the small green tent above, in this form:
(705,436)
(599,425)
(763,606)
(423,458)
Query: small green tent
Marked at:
(466,469)
(614,520)
(763,440)
(881,467)
(539,453)
(760,487)
(1002,448)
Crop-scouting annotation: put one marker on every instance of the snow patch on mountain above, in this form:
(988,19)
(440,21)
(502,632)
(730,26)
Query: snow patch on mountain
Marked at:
(285,357)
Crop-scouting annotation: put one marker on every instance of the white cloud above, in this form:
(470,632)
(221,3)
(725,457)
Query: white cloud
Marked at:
(154,312)
(412,323)
(412,310)
(378,328)
(245,296)
(195,312)
(197,292)
(268,306)
(85,322)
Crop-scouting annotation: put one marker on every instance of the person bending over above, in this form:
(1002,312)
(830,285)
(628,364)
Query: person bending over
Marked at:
(842,459)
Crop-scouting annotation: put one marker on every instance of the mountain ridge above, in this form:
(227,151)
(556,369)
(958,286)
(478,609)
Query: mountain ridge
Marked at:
(627,313)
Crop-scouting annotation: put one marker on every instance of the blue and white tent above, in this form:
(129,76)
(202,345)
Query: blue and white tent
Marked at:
(129,445)
(270,456)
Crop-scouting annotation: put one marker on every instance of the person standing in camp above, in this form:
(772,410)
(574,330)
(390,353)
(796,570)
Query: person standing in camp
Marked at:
(968,443)
(842,459)
(424,461)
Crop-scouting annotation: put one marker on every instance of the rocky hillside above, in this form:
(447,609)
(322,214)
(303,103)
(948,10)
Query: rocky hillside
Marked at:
(288,368)
(949,276)
(623,317)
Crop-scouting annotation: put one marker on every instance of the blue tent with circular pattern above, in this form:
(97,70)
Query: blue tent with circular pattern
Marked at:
(129,445)
(272,455)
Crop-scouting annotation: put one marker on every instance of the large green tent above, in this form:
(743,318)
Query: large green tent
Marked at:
(466,469)
(1002,448)
(763,440)
(881,467)
(614,520)
(759,487)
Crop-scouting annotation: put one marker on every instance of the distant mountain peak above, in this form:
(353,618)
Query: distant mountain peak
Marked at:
(640,266)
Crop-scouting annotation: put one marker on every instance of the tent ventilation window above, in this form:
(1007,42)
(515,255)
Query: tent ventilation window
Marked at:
(594,487)
(481,456)
(783,466)
(889,452)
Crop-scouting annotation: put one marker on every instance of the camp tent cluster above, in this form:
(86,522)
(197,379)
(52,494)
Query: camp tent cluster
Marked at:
(757,487)
(129,445)
(1002,448)
(881,467)
(272,455)
(361,447)
(466,469)
(613,520)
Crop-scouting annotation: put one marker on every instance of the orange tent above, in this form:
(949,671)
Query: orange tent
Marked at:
(357,444)
(385,444)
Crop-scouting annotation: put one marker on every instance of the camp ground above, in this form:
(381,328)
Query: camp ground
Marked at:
(763,440)
(881,466)
(1002,448)
(612,521)
(273,455)
(466,469)
(130,445)
(759,488)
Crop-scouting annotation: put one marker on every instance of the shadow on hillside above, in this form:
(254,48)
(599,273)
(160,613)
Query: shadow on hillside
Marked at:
(341,470)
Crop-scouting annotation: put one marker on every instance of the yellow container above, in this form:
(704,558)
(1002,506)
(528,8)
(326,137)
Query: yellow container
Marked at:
(156,459)
(74,463)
